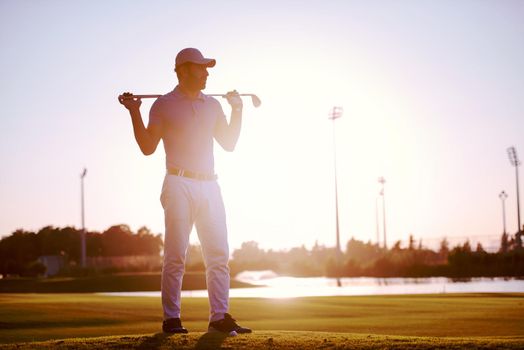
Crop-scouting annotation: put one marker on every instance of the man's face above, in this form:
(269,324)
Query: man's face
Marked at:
(196,76)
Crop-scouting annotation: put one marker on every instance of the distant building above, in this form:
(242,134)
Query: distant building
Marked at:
(53,264)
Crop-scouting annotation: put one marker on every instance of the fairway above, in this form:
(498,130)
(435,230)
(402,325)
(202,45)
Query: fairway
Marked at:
(38,317)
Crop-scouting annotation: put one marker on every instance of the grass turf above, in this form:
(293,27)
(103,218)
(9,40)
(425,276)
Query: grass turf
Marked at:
(295,340)
(378,321)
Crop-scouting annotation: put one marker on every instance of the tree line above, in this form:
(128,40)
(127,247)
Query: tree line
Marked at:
(369,259)
(20,250)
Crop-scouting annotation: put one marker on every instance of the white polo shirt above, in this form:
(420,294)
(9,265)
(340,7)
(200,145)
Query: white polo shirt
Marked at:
(188,129)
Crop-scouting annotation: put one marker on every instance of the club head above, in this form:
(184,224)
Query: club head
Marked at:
(256,101)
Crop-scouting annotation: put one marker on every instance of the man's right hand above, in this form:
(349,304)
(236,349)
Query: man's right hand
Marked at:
(129,102)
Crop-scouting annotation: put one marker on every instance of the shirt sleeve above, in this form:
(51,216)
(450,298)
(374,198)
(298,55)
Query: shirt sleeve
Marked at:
(155,113)
(220,112)
(221,120)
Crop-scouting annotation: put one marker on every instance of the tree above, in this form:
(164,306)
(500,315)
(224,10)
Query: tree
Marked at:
(518,239)
(248,252)
(59,241)
(411,245)
(361,252)
(16,250)
(444,248)
(117,241)
(480,249)
(148,243)
(396,246)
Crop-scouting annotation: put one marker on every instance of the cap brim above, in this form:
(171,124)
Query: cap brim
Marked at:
(208,62)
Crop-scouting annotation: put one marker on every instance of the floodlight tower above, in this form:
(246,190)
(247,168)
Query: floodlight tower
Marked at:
(383,181)
(376,221)
(503,197)
(83,234)
(514,160)
(336,112)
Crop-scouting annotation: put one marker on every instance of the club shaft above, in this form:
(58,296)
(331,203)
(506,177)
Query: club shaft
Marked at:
(127,96)
(224,95)
(157,96)
(142,96)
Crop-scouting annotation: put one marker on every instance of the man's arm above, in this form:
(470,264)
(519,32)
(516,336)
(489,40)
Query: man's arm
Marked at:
(227,134)
(147,139)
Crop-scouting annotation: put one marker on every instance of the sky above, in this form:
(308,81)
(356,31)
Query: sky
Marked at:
(432,93)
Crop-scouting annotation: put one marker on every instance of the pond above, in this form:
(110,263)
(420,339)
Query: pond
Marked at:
(270,285)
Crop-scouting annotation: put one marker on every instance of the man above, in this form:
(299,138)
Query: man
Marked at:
(187,121)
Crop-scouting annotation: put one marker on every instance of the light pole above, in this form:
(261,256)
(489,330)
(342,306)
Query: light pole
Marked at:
(376,221)
(383,181)
(503,197)
(336,112)
(83,234)
(514,160)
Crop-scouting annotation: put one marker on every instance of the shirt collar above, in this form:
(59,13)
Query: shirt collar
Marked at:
(179,93)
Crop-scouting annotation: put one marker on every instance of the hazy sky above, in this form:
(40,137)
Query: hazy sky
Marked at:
(432,91)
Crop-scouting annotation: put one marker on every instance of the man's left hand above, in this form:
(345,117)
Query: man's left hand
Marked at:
(233,98)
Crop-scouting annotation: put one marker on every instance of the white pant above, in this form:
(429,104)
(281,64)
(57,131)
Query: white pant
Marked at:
(189,202)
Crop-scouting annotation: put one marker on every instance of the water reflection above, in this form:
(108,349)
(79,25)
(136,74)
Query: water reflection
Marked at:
(270,285)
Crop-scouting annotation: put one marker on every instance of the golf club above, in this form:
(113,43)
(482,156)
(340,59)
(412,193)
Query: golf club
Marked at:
(254,98)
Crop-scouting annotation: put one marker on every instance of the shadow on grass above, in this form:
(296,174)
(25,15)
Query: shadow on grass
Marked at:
(210,341)
(153,342)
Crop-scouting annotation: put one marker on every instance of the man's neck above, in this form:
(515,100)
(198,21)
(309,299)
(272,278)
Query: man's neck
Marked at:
(191,93)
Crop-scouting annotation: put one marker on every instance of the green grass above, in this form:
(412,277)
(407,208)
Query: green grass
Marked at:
(461,321)
(275,340)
